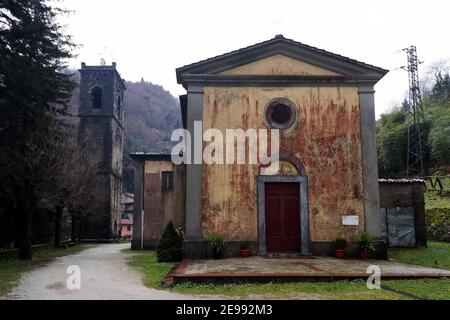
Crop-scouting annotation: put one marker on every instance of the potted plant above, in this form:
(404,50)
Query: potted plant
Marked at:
(339,247)
(366,246)
(216,243)
(245,251)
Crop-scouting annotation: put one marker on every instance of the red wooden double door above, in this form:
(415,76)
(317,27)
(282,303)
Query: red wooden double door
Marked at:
(282,215)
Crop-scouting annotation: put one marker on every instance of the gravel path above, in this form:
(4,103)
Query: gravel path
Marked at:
(104,275)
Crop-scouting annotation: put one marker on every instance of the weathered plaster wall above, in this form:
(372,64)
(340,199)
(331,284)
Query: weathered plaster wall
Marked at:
(279,65)
(162,206)
(157,166)
(326,139)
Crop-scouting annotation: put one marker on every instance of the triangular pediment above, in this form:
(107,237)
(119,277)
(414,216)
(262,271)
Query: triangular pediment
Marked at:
(279,65)
(276,58)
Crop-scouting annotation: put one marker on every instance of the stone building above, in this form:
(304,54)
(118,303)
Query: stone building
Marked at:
(101,130)
(327,184)
(127,205)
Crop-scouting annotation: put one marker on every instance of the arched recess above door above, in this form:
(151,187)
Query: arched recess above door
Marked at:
(286,165)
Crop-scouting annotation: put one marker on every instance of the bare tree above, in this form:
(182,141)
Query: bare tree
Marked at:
(72,179)
(85,184)
(435,73)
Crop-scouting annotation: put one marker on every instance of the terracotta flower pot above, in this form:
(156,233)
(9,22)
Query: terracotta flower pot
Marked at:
(364,254)
(245,253)
(339,253)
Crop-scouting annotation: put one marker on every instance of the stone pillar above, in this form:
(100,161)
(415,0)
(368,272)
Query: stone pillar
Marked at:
(194,246)
(370,166)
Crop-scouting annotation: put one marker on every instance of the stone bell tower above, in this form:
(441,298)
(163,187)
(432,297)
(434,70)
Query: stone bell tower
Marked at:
(101,130)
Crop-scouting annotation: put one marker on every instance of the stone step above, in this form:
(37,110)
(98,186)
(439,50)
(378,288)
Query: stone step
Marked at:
(285,255)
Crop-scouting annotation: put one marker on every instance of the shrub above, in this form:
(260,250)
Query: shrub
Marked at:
(170,246)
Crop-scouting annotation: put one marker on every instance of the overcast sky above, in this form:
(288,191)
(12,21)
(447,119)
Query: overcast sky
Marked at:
(150,39)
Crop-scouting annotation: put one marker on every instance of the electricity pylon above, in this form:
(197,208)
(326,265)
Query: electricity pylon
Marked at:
(416,118)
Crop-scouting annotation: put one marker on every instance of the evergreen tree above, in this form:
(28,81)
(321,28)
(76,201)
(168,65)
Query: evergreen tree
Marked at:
(170,246)
(34,93)
(392,143)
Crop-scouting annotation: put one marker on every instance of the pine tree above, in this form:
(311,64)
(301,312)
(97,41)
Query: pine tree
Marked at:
(34,94)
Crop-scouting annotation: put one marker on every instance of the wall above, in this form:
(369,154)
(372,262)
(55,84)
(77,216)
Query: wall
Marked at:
(161,206)
(279,65)
(326,139)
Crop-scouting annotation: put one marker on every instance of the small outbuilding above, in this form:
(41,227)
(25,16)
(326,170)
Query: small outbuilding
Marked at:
(402,212)
(159,188)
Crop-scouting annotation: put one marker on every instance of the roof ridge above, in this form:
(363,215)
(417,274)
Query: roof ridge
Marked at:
(227,53)
(335,54)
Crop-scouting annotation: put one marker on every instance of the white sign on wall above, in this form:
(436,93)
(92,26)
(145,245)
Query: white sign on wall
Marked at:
(350,220)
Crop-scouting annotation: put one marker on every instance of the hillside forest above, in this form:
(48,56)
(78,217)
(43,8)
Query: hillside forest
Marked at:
(392,128)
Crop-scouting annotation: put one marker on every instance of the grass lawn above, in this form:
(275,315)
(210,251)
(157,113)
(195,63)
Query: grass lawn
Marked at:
(11,269)
(437,255)
(430,289)
(432,198)
(152,271)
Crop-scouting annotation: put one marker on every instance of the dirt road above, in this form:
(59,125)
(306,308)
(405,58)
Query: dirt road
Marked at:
(104,275)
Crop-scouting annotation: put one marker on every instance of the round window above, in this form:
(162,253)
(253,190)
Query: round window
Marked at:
(280,113)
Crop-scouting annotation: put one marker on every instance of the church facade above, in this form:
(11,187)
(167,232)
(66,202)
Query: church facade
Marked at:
(326,185)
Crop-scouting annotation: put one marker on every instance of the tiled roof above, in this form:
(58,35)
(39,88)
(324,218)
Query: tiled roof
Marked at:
(401,181)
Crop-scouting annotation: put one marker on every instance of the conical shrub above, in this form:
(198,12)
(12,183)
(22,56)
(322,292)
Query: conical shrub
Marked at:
(170,245)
